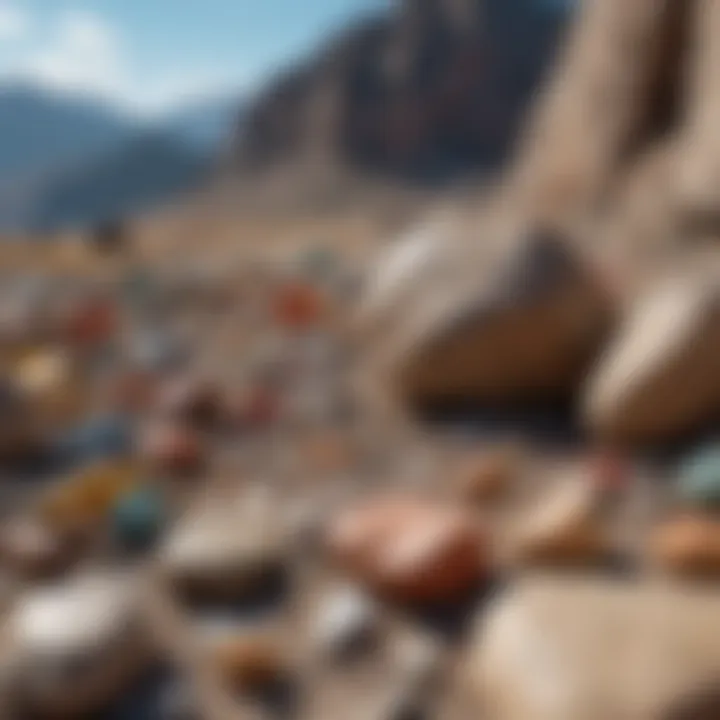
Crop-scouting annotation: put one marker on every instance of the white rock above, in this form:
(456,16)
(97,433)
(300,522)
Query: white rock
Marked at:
(78,642)
(231,542)
(345,617)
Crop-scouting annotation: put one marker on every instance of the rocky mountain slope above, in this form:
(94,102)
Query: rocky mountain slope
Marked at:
(430,89)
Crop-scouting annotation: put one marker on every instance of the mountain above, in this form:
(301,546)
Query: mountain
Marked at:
(67,161)
(149,170)
(206,125)
(428,89)
(41,130)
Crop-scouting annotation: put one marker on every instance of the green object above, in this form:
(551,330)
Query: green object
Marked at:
(138,518)
(699,478)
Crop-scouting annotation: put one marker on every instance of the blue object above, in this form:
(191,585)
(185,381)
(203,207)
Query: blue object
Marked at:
(699,478)
(138,518)
(104,437)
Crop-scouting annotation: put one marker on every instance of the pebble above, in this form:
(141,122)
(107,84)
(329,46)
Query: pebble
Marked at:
(138,518)
(172,448)
(409,549)
(190,398)
(229,547)
(688,545)
(345,620)
(246,657)
(31,549)
(699,479)
(563,529)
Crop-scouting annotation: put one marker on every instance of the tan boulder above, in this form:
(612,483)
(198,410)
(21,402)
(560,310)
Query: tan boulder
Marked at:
(567,649)
(658,379)
(519,323)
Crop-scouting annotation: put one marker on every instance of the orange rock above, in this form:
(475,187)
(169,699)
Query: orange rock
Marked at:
(410,550)
(248,661)
(298,305)
(173,448)
(688,545)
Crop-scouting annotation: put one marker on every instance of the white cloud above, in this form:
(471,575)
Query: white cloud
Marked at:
(80,52)
(13,21)
(83,54)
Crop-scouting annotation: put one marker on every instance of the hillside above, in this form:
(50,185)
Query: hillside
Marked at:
(433,88)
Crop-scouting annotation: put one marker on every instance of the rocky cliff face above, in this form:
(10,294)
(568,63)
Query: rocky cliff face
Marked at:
(430,89)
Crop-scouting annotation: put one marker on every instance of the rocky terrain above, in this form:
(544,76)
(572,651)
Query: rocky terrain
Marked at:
(287,470)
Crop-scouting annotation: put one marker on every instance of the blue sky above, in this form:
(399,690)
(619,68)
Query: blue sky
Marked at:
(149,56)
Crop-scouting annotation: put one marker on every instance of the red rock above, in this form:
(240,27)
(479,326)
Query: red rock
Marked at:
(89,321)
(173,448)
(298,305)
(410,550)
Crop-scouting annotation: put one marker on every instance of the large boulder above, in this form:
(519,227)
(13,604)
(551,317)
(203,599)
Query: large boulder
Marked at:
(553,649)
(517,321)
(658,380)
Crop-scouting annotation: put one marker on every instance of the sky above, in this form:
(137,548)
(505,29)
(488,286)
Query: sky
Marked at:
(151,56)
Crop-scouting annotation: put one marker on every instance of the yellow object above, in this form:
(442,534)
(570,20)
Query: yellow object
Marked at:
(47,377)
(87,497)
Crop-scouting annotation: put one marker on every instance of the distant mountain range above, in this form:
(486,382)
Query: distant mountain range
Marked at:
(68,162)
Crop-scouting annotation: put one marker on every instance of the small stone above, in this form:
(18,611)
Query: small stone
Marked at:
(100,438)
(699,479)
(409,549)
(138,518)
(82,501)
(490,475)
(345,620)
(688,545)
(564,529)
(173,448)
(227,548)
(31,549)
(298,306)
(249,660)
(190,398)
